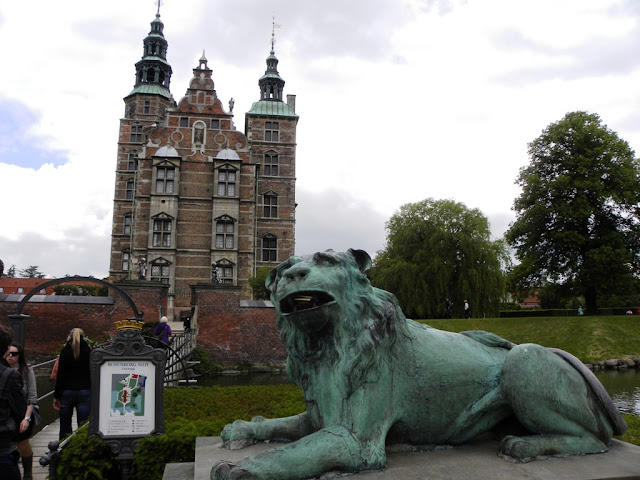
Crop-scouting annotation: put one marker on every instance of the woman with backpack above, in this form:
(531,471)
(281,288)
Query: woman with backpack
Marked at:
(162,331)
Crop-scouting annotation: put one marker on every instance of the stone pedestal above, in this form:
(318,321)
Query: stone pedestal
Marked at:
(477,460)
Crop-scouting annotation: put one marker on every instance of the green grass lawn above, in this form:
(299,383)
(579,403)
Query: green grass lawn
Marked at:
(588,338)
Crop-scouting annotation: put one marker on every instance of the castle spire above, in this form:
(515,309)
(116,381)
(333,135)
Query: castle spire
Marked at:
(153,72)
(271,84)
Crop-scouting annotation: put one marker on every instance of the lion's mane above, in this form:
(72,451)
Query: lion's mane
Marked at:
(357,342)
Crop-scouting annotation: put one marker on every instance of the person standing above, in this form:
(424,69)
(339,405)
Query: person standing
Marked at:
(15,359)
(13,406)
(467,310)
(447,306)
(162,331)
(73,383)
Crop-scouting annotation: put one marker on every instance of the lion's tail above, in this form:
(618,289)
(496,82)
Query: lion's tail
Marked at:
(619,425)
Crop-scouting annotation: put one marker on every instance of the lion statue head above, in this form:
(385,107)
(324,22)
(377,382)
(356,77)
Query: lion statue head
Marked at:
(329,312)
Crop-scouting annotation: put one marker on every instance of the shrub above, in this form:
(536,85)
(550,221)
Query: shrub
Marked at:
(84,459)
(206,366)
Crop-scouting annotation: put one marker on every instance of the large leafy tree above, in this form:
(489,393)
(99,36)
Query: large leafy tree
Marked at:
(577,221)
(439,249)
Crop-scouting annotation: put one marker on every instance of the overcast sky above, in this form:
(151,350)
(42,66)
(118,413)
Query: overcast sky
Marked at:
(399,100)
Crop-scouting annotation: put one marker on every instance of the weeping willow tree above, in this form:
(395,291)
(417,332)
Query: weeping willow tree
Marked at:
(438,249)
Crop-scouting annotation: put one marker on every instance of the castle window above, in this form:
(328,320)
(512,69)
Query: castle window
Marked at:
(132,162)
(222,272)
(184,121)
(136,133)
(226,183)
(162,233)
(224,234)
(127,224)
(147,106)
(164,179)
(130,190)
(270,205)
(271,165)
(125,261)
(160,273)
(269,248)
(215,124)
(271,130)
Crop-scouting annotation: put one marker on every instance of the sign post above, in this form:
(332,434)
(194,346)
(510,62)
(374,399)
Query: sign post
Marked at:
(127,380)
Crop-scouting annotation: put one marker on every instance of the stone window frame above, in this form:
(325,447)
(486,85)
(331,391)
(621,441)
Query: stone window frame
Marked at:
(271,164)
(160,270)
(270,204)
(127,223)
(135,133)
(227,177)
(269,248)
(165,179)
(271,131)
(223,272)
(130,189)
(225,234)
(125,259)
(132,161)
(162,231)
(164,165)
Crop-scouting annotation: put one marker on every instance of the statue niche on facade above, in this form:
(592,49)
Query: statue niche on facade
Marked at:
(370,376)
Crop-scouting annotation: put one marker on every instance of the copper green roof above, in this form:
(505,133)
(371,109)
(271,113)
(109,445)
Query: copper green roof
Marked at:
(152,89)
(272,107)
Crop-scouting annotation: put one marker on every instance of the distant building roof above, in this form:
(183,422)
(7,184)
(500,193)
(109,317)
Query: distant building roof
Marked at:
(23,285)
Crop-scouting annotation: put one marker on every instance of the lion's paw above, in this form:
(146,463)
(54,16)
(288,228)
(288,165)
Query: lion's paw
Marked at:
(517,449)
(228,471)
(239,434)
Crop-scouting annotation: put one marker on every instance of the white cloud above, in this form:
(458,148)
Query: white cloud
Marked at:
(399,100)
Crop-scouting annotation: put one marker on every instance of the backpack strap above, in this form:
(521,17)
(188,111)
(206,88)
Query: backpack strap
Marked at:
(4,378)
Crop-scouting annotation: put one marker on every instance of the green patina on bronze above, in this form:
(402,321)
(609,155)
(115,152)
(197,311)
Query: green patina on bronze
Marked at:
(372,377)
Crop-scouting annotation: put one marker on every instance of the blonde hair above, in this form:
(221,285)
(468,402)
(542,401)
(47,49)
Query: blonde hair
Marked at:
(74,336)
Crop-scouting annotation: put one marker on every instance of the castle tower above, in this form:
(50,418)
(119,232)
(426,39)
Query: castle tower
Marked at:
(271,129)
(199,204)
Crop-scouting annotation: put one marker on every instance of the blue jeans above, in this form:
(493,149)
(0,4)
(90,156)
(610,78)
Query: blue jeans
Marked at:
(81,400)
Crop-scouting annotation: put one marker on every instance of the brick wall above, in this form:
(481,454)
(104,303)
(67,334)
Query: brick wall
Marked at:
(229,332)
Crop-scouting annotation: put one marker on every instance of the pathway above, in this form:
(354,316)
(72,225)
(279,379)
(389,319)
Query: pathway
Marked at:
(40,445)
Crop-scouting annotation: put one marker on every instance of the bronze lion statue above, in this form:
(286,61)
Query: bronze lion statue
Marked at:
(371,377)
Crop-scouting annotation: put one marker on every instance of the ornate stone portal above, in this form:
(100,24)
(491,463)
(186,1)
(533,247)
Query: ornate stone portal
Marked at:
(372,377)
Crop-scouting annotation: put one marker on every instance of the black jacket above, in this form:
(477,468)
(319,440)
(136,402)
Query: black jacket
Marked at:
(73,374)
(13,403)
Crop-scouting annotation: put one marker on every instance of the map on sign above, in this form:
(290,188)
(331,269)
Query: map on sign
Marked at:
(127,394)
